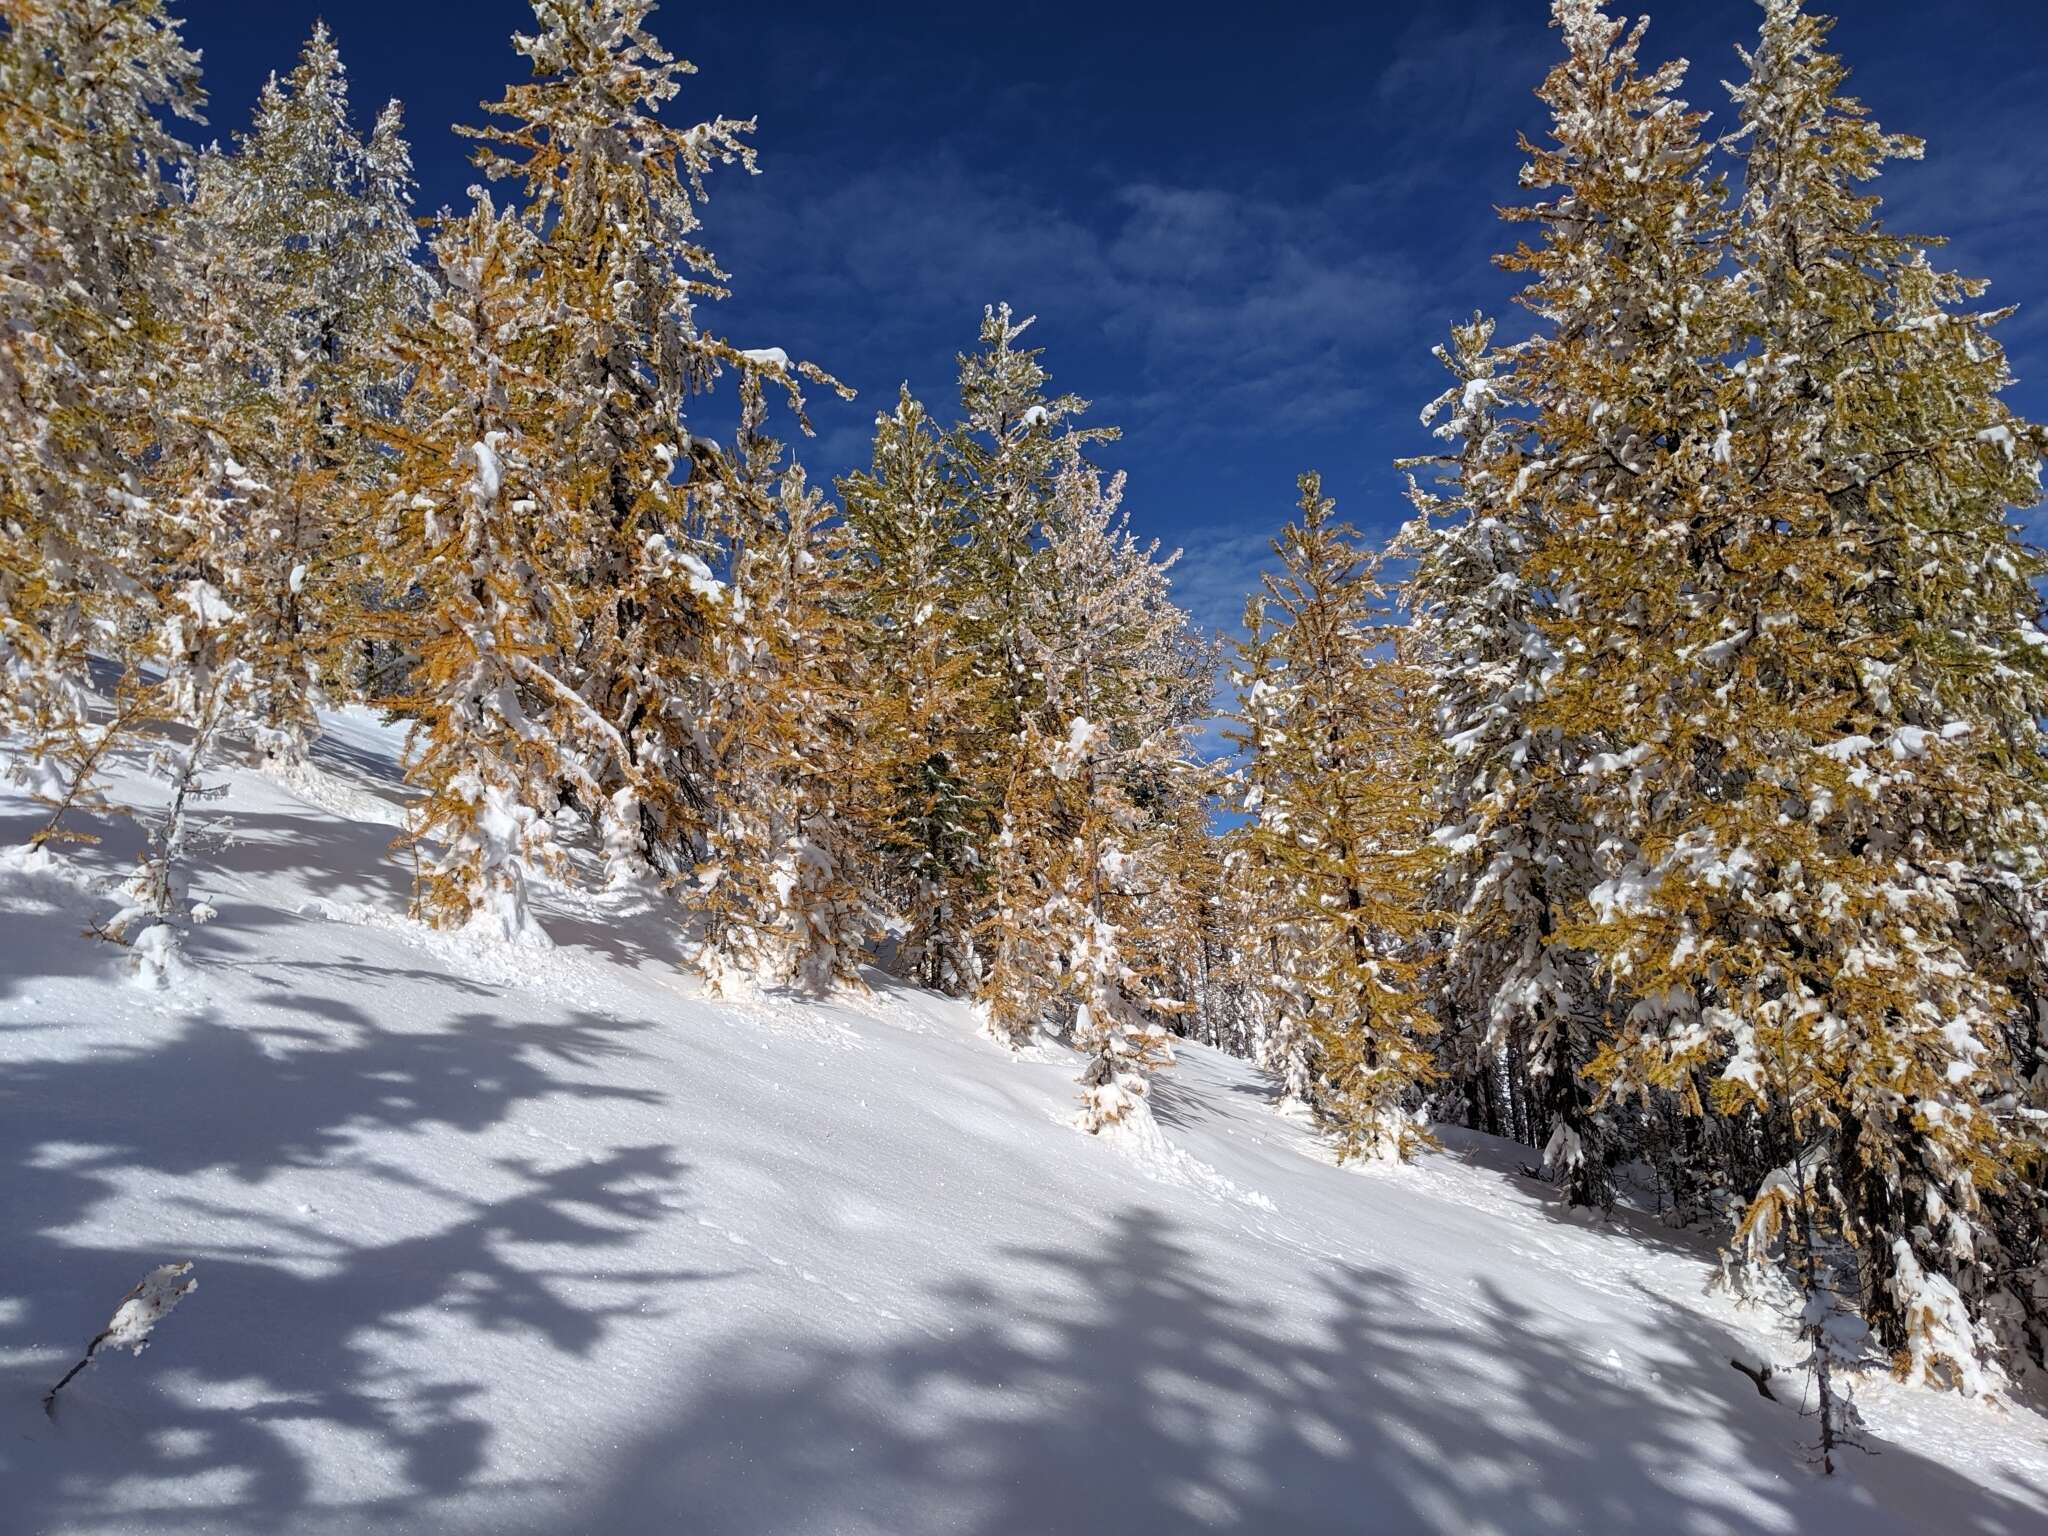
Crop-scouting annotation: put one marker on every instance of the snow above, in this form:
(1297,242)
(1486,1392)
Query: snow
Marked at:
(696,575)
(1071,753)
(699,577)
(518,1241)
(767,357)
(205,602)
(147,1305)
(1908,742)
(2002,436)
(490,469)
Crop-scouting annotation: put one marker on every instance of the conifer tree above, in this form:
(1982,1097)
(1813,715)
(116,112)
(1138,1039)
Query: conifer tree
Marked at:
(1795,1217)
(1503,846)
(912,582)
(821,874)
(1231,1017)
(556,523)
(612,193)
(482,523)
(1186,906)
(1923,462)
(1005,457)
(1096,924)
(784,882)
(1821,690)
(1629,299)
(1329,718)
(1111,648)
(1285,1045)
(1788,750)
(1015,933)
(306,234)
(90,348)
(312,246)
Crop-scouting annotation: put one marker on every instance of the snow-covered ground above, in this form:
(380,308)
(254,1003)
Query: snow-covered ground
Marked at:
(501,1242)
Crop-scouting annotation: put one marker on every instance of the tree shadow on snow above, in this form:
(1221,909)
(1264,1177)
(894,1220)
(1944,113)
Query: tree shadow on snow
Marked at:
(1512,1163)
(335,1327)
(1125,1388)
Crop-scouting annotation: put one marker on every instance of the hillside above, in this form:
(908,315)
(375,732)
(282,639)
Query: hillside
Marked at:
(536,1241)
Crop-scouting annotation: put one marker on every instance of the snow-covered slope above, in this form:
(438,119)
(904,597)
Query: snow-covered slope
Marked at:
(502,1242)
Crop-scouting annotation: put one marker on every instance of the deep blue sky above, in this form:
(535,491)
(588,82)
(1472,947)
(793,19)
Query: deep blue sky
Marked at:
(1242,227)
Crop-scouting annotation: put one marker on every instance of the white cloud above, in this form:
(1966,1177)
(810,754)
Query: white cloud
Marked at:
(1226,304)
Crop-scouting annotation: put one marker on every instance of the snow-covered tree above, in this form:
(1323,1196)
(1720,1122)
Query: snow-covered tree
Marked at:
(1112,650)
(1186,907)
(1330,722)
(306,237)
(1629,297)
(912,579)
(557,525)
(1095,923)
(612,197)
(1517,1007)
(91,345)
(1015,934)
(200,677)
(1006,455)
(1269,920)
(1795,1219)
(1739,675)
(1004,459)
(480,531)
(786,879)
(1821,681)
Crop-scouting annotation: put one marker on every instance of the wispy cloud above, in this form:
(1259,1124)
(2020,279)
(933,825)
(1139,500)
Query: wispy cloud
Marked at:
(1220,564)
(1223,304)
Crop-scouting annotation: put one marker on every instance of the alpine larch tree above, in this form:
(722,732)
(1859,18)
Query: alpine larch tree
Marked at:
(617,506)
(307,236)
(914,576)
(1803,790)
(91,354)
(1331,725)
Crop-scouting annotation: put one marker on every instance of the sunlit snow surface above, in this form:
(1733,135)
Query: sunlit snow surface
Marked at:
(502,1241)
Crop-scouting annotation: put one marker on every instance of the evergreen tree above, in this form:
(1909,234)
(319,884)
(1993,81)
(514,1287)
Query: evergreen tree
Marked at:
(556,523)
(1005,458)
(1186,907)
(1111,648)
(1269,920)
(1747,825)
(1629,296)
(1795,1218)
(481,522)
(1519,1005)
(1015,933)
(1829,728)
(307,238)
(913,579)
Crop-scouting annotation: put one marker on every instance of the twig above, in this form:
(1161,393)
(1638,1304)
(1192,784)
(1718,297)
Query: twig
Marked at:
(1760,1375)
